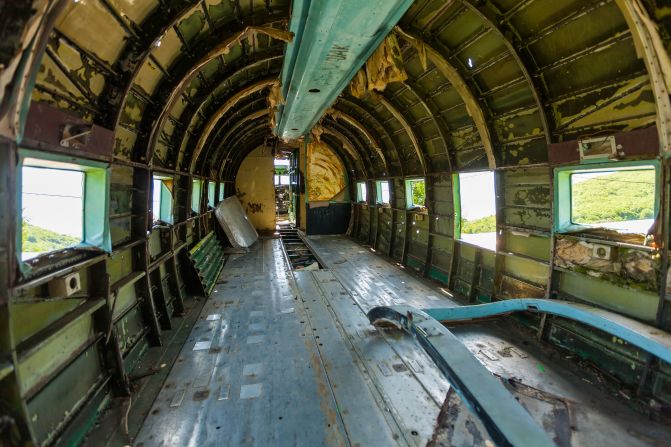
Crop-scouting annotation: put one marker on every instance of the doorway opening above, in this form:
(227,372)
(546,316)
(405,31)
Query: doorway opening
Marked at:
(282,189)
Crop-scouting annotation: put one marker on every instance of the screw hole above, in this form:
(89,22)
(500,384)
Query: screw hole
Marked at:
(314,90)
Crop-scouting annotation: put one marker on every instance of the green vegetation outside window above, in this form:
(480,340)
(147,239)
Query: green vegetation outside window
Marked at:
(415,193)
(382,189)
(475,206)
(361,192)
(615,196)
(62,203)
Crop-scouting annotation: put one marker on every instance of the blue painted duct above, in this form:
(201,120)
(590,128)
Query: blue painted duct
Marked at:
(332,40)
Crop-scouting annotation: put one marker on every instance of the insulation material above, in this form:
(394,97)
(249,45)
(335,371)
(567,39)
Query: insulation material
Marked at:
(639,266)
(275,99)
(235,223)
(384,66)
(570,253)
(250,33)
(358,85)
(626,265)
(326,173)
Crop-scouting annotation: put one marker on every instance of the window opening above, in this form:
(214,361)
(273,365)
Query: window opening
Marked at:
(618,198)
(211,194)
(477,208)
(52,210)
(415,192)
(162,199)
(383,196)
(282,191)
(361,192)
(196,193)
(281,172)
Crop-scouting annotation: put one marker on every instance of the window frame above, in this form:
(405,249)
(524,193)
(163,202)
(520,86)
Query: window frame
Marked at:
(165,211)
(563,194)
(359,198)
(211,193)
(196,193)
(378,192)
(408,193)
(456,199)
(222,191)
(95,212)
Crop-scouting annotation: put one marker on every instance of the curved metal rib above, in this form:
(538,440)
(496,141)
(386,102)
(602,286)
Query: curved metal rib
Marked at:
(506,421)
(646,337)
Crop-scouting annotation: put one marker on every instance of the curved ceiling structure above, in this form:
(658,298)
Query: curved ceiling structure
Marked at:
(489,84)
(173,95)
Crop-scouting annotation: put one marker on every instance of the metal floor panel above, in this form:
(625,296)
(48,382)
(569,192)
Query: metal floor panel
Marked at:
(289,358)
(247,375)
(575,404)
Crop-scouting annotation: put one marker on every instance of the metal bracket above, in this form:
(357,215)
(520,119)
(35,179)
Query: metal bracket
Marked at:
(504,418)
(641,335)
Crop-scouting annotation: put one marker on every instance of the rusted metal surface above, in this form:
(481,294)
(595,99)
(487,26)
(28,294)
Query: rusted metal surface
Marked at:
(45,125)
(532,72)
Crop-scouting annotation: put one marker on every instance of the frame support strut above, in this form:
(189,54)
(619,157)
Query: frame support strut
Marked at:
(504,418)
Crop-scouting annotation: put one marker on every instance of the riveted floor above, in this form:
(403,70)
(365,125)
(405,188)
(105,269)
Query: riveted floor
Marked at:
(281,357)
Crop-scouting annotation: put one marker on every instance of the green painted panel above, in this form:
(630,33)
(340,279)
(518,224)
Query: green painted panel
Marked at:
(126,298)
(54,352)
(637,304)
(120,265)
(526,269)
(129,328)
(439,275)
(28,318)
(528,245)
(61,397)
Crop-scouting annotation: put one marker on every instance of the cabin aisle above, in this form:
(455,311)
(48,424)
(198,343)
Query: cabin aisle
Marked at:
(281,357)
(247,375)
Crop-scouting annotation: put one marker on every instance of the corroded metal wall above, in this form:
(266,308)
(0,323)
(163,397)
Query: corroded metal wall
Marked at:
(180,88)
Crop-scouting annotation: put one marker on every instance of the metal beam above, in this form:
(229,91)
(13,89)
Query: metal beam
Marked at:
(214,119)
(336,115)
(406,127)
(650,48)
(333,40)
(645,337)
(220,50)
(504,418)
(452,75)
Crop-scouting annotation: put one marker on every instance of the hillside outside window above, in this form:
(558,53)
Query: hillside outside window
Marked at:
(475,201)
(620,197)
(64,204)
